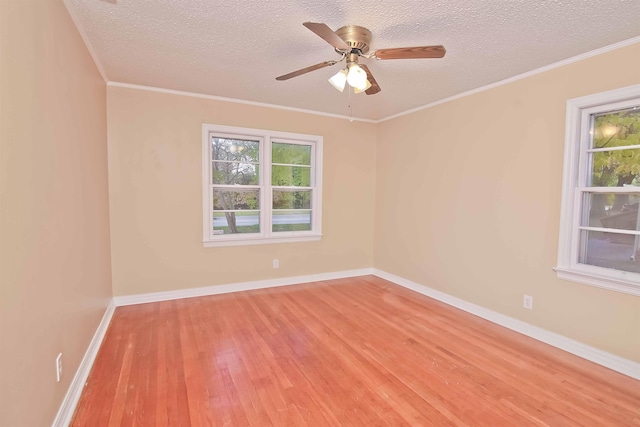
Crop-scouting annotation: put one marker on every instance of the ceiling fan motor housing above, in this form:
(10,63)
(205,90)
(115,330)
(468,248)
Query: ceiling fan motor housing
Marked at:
(356,37)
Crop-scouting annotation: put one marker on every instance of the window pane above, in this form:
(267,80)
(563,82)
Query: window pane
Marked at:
(611,210)
(615,168)
(298,176)
(238,150)
(235,173)
(616,128)
(236,222)
(236,200)
(290,154)
(610,250)
(295,220)
(285,199)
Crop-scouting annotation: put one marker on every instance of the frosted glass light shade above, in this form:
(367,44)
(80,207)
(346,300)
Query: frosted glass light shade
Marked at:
(367,86)
(357,77)
(339,80)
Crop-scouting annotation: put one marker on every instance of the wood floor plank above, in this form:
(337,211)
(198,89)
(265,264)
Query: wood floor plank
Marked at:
(349,352)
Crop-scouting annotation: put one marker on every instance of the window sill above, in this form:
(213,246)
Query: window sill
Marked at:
(246,241)
(631,287)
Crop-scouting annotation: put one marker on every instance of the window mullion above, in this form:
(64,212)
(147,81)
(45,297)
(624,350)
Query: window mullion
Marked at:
(236,187)
(614,190)
(294,188)
(268,192)
(316,182)
(211,210)
(610,230)
(292,164)
(577,221)
(617,148)
(584,158)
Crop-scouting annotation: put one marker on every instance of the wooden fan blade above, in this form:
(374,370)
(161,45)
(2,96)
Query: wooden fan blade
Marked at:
(411,52)
(327,35)
(375,88)
(306,70)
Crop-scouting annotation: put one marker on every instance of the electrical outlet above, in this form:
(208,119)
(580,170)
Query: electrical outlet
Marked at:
(527,302)
(59,367)
(276,263)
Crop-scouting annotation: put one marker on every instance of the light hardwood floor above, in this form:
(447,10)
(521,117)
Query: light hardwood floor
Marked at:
(349,352)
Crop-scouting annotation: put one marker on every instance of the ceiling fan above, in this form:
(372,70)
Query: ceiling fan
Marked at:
(353,42)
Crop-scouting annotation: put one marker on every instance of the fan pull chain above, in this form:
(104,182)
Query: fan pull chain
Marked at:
(350,107)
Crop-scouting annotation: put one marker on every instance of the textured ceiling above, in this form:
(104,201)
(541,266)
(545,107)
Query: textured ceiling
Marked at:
(235,49)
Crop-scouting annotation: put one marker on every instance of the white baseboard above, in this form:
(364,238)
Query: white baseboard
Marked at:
(235,287)
(611,361)
(68,406)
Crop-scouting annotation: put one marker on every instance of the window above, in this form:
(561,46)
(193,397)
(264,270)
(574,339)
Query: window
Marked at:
(600,220)
(260,186)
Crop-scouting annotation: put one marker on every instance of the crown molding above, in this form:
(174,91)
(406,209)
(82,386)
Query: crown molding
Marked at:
(531,73)
(234,100)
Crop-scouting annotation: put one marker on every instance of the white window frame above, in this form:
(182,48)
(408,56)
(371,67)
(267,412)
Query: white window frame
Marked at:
(266,235)
(574,185)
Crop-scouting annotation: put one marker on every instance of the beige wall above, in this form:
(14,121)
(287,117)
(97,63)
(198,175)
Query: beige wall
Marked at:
(55,279)
(155,181)
(473,187)
(465,198)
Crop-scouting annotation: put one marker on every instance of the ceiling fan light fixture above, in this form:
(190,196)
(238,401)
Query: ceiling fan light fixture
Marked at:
(367,86)
(339,80)
(352,42)
(357,77)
